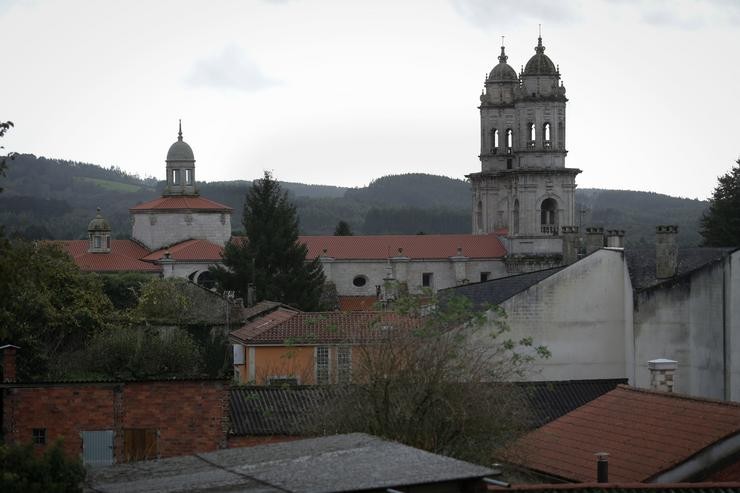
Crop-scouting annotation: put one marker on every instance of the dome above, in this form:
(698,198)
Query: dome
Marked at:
(540,64)
(503,71)
(180,150)
(98,223)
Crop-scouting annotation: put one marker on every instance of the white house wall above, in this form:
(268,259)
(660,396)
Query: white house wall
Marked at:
(579,315)
(161,229)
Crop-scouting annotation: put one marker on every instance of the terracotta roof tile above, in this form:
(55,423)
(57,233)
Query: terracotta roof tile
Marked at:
(644,432)
(197,250)
(413,246)
(193,203)
(284,326)
(125,255)
(357,303)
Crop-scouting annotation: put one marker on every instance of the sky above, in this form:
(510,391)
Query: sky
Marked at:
(343,92)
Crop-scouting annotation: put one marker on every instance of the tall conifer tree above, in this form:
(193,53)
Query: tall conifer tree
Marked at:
(270,257)
(720,225)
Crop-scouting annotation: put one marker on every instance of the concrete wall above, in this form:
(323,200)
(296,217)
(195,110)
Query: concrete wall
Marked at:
(446,273)
(580,315)
(689,321)
(161,229)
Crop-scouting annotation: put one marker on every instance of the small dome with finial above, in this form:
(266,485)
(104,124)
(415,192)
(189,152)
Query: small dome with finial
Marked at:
(503,71)
(180,150)
(98,224)
(540,64)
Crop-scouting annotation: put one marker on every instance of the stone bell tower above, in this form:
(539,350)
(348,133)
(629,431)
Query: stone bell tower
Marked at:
(524,192)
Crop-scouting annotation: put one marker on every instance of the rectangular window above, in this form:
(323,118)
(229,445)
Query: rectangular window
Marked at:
(139,444)
(427,279)
(175,176)
(484,276)
(107,242)
(188,177)
(322,365)
(344,364)
(238,354)
(96,242)
(39,436)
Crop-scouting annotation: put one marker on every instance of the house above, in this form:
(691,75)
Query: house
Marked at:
(650,436)
(352,462)
(609,313)
(285,345)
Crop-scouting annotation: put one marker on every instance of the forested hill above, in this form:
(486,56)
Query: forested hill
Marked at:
(54,199)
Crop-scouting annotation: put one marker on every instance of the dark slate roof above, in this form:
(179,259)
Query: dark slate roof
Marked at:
(625,488)
(263,308)
(260,410)
(353,462)
(497,291)
(551,400)
(641,263)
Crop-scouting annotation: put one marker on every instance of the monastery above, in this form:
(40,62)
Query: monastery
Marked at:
(521,197)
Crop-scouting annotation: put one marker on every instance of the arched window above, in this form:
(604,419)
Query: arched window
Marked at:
(548,216)
(530,135)
(546,135)
(515,218)
(494,140)
(509,140)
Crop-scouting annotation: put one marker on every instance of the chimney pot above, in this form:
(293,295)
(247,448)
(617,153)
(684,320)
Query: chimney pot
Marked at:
(615,238)
(594,239)
(662,374)
(666,251)
(570,244)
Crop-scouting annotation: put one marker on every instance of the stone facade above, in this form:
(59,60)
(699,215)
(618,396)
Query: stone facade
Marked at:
(159,229)
(524,187)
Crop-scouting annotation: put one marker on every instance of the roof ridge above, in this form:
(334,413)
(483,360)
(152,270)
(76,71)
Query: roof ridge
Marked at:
(677,395)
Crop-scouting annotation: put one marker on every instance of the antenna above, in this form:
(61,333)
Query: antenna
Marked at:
(502,40)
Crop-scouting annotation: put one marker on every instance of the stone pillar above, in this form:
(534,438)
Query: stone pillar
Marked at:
(9,368)
(168,265)
(594,239)
(662,373)
(666,251)
(459,263)
(400,265)
(326,263)
(615,238)
(570,244)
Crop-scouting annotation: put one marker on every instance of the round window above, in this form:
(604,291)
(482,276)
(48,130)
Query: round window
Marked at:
(359,281)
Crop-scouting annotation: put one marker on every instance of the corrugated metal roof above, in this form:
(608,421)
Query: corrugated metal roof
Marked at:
(645,433)
(177,203)
(260,410)
(412,246)
(125,255)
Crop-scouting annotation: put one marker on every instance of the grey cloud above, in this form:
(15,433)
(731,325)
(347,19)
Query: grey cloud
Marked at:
(684,14)
(230,69)
(500,13)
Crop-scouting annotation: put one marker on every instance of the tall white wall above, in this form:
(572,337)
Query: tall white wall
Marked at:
(579,315)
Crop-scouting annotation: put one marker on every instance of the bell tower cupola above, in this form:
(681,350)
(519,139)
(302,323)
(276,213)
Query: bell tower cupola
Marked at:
(180,168)
(98,232)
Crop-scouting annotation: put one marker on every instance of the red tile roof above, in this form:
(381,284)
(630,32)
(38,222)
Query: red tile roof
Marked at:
(644,432)
(125,255)
(357,303)
(193,250)
(177,203)
(288,327)
(413,246)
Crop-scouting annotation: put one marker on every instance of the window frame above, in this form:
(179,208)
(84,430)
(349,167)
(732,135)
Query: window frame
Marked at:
(343,355)
(39,436)
(319,376)
(427,280)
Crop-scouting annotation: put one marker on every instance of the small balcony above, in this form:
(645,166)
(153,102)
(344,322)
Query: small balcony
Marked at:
(549,229)
(509,151)
(530,144)
(547,145)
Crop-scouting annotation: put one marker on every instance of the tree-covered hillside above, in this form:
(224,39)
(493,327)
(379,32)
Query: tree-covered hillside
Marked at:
(55,199)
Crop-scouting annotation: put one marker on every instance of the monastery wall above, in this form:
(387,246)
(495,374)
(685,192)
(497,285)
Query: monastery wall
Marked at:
(161,229)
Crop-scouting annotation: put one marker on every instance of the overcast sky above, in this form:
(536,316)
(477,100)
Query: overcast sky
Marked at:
(342,92)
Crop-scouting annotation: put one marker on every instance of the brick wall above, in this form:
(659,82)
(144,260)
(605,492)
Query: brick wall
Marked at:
(189,416)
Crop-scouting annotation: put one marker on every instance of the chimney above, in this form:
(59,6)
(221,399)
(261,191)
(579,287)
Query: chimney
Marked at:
(602,467)
(9,373)
(615,238)
(662,372)
(666,251)
(594,239)
(570,244)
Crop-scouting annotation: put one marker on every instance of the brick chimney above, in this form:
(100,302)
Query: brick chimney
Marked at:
(570,244)
(662,373)
(8,352)
(594,239)
(615,238)
(666,251)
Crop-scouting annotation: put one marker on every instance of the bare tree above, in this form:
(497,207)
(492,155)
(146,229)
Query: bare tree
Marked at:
(440,385)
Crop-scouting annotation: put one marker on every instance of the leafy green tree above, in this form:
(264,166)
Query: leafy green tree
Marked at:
(24,471)
(4,127)
(720,225)
(343,229)
(438,384)
(124,288)
(47,305)
(271,258)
